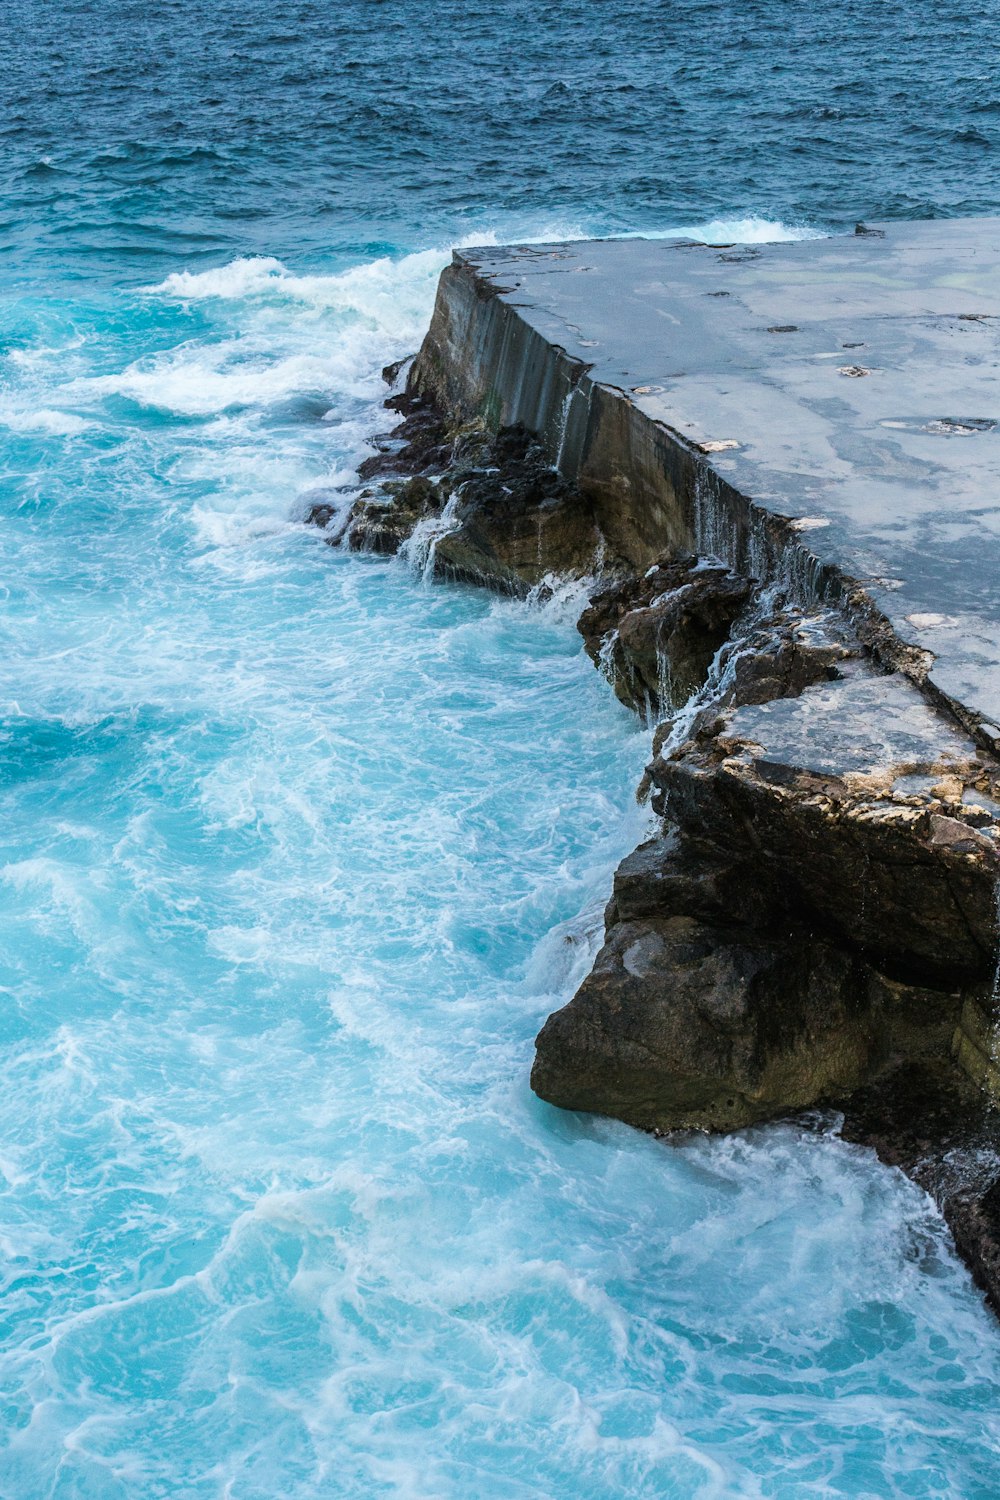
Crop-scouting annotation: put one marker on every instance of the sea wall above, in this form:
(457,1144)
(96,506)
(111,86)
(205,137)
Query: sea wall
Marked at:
(814,922)
(480,359)
(652,489)
(648,489)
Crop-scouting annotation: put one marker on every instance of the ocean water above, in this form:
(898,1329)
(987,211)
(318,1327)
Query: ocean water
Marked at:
(298,851)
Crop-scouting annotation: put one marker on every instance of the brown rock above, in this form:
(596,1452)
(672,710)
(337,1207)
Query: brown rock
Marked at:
(685,1023)
(381,522)
(655,635)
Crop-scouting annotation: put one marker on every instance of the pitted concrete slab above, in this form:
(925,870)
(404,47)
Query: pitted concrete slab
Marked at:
(852,384)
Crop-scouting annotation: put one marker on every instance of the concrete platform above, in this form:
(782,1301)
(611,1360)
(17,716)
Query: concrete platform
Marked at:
(848,384)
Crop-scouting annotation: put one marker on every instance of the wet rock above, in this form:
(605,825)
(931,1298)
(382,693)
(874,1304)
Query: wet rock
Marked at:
(382,521)
(322,514)
(392,373)
(518,521)
(511,519)
(777,649)
(927,1119)
(655,635)
(819,789)
(655,638)
(419,445)
(789,652)
(809,916)
(688,1023)
(668,876)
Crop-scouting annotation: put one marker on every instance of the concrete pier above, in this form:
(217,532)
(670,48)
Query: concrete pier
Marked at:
(781,464)
(833,403)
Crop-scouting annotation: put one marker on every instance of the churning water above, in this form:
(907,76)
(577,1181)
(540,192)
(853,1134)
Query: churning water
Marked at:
(298,851)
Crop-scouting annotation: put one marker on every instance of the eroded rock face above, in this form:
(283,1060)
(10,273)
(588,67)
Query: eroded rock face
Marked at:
(516,521)
(863,812)
(507,519)
(822,892)
(701,1021)
(383,520)
(791,650)
(655,636)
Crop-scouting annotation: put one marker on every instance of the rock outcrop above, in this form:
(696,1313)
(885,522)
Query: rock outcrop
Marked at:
(655,635)
(823,894)
(487,506)
(814,922)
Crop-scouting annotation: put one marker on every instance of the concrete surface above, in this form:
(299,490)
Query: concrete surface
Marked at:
(850,384)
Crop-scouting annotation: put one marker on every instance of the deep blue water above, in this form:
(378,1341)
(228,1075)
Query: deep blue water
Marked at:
(135,135)
(297,852)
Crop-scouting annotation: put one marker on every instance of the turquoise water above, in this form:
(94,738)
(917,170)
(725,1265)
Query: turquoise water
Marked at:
(298,852)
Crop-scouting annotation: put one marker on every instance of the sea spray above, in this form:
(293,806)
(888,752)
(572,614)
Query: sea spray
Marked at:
(420,547)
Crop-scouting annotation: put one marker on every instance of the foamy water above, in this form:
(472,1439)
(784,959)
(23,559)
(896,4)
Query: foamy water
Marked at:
(298,854)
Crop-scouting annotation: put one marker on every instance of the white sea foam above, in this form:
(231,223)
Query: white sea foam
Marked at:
(37,353)
(42,420)
(748,231)
(205,380)
(393,294)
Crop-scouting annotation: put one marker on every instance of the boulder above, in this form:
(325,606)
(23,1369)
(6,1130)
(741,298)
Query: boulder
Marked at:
(518,521)
(510,519)
(862,810)
(688,1023)
(382,520)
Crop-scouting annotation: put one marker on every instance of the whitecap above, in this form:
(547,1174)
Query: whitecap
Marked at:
(42,420)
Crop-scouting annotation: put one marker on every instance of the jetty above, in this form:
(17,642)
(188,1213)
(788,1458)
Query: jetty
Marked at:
(781,466)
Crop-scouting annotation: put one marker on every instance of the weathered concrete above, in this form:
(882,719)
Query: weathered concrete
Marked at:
(828,407)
